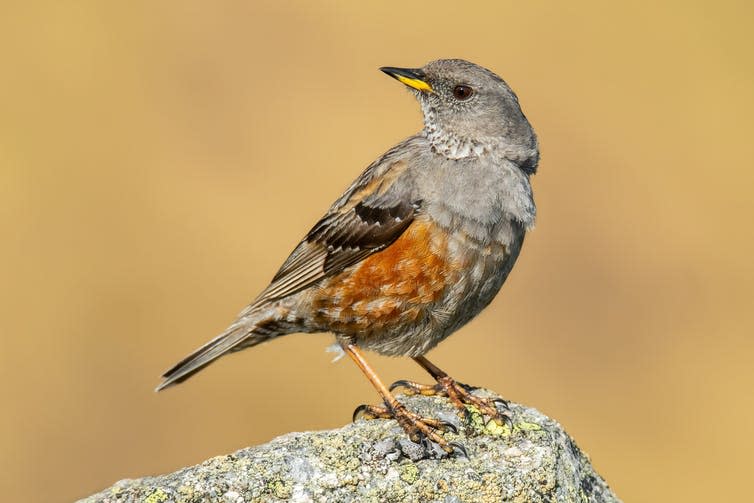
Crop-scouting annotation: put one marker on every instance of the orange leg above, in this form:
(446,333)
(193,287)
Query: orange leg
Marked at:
(417,427)
(459,394)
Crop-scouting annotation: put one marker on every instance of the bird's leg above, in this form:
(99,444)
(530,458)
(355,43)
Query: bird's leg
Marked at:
(459,394)
(418,428)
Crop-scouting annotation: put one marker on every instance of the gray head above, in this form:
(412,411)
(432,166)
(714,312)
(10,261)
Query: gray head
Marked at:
(470,111)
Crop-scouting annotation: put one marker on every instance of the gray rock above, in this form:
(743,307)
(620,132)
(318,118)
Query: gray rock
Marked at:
(532,461)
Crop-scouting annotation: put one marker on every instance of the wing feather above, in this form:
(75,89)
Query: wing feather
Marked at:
(372,214)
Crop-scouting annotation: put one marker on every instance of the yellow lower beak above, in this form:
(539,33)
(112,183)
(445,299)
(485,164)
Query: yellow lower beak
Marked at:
(411,77)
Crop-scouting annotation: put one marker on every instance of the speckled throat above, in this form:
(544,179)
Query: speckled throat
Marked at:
(451,145)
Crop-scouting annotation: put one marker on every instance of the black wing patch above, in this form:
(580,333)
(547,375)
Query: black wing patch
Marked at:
(363,231)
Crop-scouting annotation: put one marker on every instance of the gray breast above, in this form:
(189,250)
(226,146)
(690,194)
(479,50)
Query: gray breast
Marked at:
(476,196)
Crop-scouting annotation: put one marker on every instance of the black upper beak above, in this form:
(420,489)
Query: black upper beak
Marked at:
(409,73)
(412,77)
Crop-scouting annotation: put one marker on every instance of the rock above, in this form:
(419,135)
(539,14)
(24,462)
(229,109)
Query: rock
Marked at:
(532,461)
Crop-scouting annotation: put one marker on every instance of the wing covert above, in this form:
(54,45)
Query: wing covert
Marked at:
(373,213)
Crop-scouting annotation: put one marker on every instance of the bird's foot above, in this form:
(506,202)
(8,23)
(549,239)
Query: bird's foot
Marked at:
(420,430)
(461,395)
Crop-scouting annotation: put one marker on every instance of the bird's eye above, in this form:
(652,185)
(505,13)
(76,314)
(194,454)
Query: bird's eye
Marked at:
(462,93)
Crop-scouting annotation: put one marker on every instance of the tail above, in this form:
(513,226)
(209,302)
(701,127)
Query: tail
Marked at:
(242,334)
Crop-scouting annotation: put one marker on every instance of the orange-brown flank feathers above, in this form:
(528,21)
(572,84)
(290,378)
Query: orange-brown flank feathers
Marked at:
(390,288)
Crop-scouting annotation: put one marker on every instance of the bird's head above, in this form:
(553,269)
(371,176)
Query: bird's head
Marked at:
(468,110)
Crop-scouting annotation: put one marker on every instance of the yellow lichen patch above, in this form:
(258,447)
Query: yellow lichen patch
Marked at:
(490,427)
(476,417)
(409,473)
(528,426)
(158,496)
(500,430)
(279,489)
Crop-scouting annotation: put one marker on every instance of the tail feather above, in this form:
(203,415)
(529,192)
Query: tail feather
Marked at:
(239,334)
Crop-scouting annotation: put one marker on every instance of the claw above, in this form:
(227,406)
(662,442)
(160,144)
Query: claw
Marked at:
(370,412)
(502,420)
(447,425)
(457,446)
(468,387)
(467,416)
(360,409)
(508,421)
(402,383)
(503,402)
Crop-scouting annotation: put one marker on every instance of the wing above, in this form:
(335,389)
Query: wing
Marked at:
(372,214)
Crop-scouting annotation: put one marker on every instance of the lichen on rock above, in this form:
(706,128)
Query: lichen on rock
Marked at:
(530,460)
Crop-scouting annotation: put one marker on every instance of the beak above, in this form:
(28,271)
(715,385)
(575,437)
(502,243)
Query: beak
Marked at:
(412,77)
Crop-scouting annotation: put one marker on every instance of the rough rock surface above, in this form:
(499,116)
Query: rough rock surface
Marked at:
(534,461)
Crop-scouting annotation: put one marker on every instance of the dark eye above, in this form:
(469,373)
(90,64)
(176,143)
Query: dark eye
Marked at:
(462,93)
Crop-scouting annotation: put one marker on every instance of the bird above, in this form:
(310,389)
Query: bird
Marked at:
(417,246)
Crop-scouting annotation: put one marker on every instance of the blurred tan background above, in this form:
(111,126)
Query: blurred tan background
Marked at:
(158,160)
